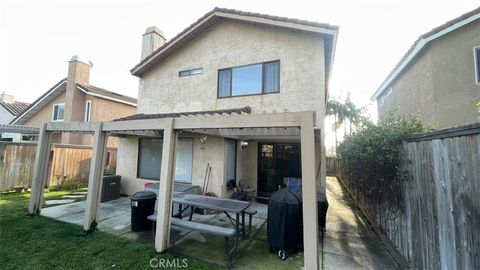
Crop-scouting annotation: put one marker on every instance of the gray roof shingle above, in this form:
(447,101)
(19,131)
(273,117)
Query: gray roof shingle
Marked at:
(14,108)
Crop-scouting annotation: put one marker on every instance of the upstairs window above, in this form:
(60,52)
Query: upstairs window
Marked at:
(249,80)
(476,58)
(58,112)
(88,110)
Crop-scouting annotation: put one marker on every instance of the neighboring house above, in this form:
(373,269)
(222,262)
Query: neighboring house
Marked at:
(439,77)
(74,99)
(9,108)
(229,62)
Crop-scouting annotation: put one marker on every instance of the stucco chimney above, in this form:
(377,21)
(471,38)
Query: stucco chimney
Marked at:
(7,98)
(78,73)
(152,40)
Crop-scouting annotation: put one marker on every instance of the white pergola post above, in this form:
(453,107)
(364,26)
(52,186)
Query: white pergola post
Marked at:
(40,171)
(95,176)
(309,192)
(164,200)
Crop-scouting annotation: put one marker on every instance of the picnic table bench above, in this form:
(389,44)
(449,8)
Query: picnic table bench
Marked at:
(220,204)
(205,228)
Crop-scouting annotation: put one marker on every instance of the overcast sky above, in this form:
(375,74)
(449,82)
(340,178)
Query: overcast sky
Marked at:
(37,38)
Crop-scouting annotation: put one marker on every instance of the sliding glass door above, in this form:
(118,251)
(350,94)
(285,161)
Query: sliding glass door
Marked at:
(275,162)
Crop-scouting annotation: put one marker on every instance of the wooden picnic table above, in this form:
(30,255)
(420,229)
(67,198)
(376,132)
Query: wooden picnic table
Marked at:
(220,204)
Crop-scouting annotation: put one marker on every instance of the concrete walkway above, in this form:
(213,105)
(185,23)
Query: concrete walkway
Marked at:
(348,242)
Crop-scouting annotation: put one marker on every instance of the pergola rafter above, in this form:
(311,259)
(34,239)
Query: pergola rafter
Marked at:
(236,124)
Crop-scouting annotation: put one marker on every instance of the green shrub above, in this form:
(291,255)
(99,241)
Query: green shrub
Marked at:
(71,185)
(371,156)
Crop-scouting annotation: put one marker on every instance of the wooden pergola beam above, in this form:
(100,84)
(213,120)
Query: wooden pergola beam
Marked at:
(309,156)
(241,121)
(95,177)
(309,193)
(40,171)
(87,127)
(165,193)
(131,125)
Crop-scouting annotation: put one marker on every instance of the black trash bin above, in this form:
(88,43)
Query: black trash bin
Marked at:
(143,205)
(322,207)
(284,223)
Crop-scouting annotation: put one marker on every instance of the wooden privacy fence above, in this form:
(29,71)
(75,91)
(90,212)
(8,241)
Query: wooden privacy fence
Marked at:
(67,163)
(331,163)
(16,164)
(438,223)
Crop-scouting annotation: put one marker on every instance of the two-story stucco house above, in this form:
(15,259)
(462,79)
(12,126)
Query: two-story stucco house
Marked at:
(438,79)
(229,61)
(74,99)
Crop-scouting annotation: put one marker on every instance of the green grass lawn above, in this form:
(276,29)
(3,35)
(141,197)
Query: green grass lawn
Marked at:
(36,242)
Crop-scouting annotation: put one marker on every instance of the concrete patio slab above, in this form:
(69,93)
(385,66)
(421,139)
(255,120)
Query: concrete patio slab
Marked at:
(61,201)
(73,196)
(348,242)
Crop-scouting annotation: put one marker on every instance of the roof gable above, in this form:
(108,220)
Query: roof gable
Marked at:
(58,89)
(420,44)
(219,14)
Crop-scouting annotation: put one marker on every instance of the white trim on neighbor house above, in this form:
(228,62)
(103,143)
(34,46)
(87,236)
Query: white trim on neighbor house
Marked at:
(476,62)
(104,97)
(53,112)
(36,103)
(381,101)
(88,111)
(420,45)
(389,91)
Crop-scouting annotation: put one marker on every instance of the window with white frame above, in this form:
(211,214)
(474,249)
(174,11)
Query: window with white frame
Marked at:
(88,110)
(150,159)
(476,59)
(58,112)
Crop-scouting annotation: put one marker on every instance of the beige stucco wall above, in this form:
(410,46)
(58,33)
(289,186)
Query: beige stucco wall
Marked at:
(225,45)
(440,85)
(45,115)
(212,152)
(232,44)
(102,110)
(106,110)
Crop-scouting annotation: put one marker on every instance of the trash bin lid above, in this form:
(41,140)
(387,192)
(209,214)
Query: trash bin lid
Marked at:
(143,195)
(285,196)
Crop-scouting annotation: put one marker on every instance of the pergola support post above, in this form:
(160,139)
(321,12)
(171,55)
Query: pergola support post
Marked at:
(40,171)
(95,178)
(164,207)
(309,192)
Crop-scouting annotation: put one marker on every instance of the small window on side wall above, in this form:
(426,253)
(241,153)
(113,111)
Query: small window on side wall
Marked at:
(190,72)
(58,112)
(476,58)
(88,110)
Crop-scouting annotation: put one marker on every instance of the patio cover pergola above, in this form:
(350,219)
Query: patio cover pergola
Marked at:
(232,124)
